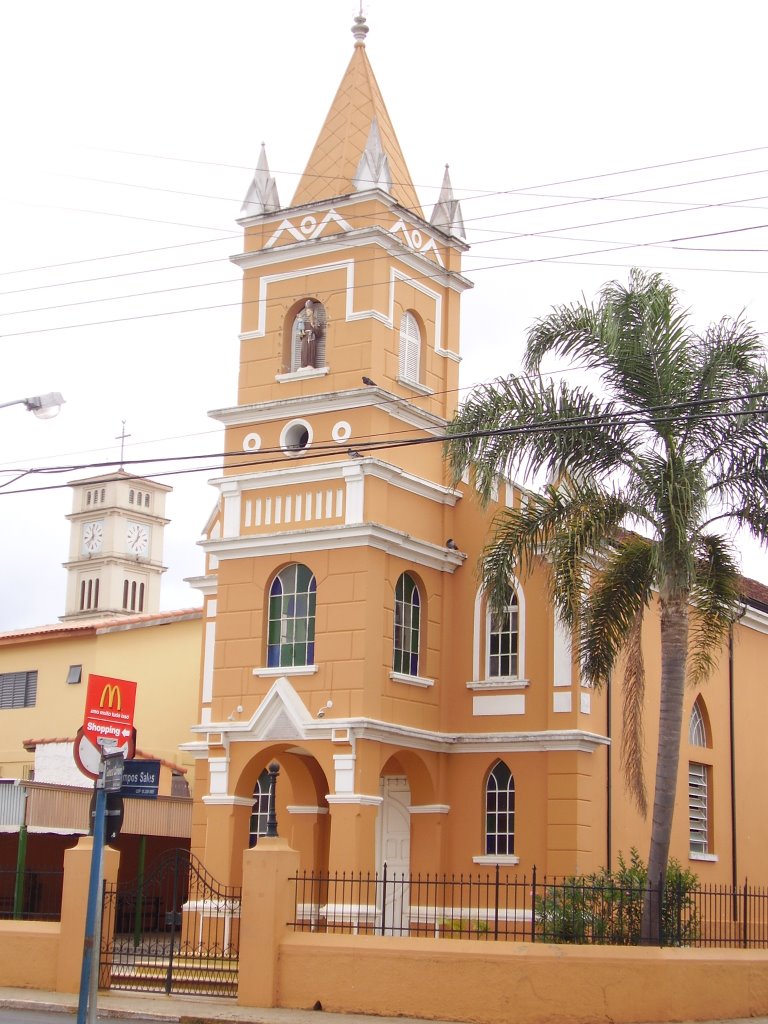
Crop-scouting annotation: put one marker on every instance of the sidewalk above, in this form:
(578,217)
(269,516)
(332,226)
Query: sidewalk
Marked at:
(183,1009)
(193,1010)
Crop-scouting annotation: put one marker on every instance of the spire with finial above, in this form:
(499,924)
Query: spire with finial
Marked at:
(447,212)
(262,193)
(360,29)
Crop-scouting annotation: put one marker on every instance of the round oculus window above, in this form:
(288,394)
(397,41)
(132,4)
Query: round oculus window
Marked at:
(296,437)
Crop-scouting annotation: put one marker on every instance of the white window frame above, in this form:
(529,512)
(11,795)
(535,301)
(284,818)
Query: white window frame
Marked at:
(697,726)
(410,348)
(481,642)
(698,808)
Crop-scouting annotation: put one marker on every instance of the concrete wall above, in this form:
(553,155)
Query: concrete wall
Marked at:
(493,983)
(29,952)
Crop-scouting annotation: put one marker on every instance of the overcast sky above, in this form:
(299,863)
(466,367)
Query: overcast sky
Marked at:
(584,139)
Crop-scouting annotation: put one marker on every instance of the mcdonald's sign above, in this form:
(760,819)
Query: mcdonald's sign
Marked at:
(109,706)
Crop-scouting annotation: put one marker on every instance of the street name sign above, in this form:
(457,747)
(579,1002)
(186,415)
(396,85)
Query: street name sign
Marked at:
(141,779)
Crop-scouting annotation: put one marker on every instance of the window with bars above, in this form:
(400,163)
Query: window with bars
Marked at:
(697,728)
(410,347)
(405,653)
(500,811)
(698,807)
(502,641)
(291,626)
(260,809)
(18,689)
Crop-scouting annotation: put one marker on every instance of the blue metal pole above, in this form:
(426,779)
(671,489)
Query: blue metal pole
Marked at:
(94,886)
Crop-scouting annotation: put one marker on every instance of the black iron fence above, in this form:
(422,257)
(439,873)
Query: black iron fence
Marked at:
(499,907)
(31,894)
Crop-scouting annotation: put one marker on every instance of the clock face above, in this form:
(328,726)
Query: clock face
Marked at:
(137,538)
(93,534)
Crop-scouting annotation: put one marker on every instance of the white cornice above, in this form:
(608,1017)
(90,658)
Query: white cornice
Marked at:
(755,618)
(353,199)
(205,584)
(425,739)
(342,242)
(335,401)
(333,538)
(311,473)
(471,743)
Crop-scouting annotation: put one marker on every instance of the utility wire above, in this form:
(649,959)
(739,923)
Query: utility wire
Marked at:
(620,417)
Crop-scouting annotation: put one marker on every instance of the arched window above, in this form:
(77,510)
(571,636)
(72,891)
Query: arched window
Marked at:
(502,641)
(141,597)
(697,728)
(410,347)
(125,593)
(131,497)
(103,495)
(500,810)
(96,593)
(308,336)
(146,500)
(260,809)
(405,652)
(133,596)
(291,627)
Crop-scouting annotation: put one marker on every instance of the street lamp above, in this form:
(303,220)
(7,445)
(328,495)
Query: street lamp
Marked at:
(45,407)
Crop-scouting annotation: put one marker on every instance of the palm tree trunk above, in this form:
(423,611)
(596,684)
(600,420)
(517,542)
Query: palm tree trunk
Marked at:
(674,653)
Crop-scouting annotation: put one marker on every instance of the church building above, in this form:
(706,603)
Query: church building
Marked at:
(345,634)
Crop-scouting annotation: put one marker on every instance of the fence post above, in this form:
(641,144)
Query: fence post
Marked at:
(384,900)
(533,905)
(661,898)
(268,904)
(74,899)
(745,941)
(679,910)
(496,907)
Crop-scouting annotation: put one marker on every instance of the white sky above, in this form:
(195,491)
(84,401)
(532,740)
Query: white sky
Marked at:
(113,114)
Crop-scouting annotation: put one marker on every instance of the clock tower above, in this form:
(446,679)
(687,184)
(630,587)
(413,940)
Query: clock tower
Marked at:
(116,546)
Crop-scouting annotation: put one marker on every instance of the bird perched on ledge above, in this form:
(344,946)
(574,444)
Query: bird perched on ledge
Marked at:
(451,544)
(353,453)
(368,382)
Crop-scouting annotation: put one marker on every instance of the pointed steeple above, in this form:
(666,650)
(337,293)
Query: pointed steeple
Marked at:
(262,192)
(447,212)
(357,142)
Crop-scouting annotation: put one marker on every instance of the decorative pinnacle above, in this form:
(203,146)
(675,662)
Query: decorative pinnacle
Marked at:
(360,29)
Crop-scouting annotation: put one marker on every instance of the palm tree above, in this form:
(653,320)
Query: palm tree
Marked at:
(647,471)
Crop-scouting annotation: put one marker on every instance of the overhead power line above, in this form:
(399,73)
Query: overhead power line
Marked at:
(667,413)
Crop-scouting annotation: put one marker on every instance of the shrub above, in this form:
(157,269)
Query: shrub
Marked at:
(607,906)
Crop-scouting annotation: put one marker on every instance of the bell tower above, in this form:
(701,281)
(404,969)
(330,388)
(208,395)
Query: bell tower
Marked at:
(116,546)
(334,502)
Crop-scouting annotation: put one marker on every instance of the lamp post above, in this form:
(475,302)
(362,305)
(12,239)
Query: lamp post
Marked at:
(45,407)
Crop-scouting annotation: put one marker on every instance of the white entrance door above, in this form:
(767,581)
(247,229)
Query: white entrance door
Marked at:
(395,853)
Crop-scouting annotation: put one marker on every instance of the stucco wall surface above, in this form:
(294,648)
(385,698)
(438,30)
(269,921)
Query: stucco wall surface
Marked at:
(493,983)
(29,952)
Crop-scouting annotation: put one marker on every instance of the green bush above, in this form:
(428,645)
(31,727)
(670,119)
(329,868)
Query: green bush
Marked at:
(607,906)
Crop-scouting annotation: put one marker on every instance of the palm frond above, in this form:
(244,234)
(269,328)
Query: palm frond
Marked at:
(572,523)
(619,593)
(518,425)
(715,602)
(632,734)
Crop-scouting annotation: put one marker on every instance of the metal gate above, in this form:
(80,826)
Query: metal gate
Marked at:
(174,930)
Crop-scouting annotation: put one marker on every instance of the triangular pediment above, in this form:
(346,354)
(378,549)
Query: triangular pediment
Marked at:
(282,714)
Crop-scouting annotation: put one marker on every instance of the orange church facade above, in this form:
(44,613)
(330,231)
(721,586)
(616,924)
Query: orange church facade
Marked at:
(346,636)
